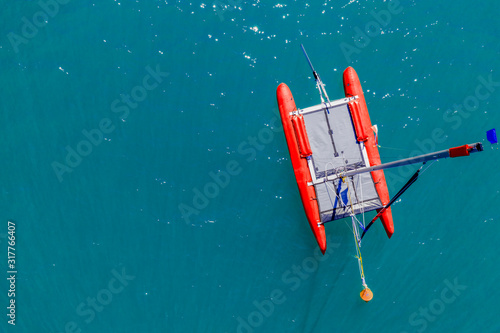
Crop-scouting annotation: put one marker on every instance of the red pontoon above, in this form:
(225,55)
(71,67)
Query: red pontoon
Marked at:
(335,158)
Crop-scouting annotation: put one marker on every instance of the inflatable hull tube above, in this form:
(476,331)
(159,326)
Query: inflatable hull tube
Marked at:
(362,125)
(286,105)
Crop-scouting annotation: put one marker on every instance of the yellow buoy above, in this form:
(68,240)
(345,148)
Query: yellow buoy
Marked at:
(366,295)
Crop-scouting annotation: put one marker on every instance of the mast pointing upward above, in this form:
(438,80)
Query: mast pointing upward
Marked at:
(319,83)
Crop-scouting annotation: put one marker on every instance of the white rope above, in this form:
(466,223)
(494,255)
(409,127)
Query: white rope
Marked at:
(350,209)
(428,167)
(358,254)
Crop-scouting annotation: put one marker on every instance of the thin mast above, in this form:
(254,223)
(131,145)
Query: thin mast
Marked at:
(319,83)
(322,91)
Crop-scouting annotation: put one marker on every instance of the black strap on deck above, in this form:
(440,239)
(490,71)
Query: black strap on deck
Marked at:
(330,132)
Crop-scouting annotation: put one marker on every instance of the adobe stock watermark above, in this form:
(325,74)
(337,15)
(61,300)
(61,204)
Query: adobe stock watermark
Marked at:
(455,115)
(120,106)
(292,278)
(30,27)
(220,179)
(220,7)
(420,319)
(372,29)
(87,310)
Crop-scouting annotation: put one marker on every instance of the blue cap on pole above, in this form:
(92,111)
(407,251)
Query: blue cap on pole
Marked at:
(491,135)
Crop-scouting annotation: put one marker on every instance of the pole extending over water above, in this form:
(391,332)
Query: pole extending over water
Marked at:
(464,150)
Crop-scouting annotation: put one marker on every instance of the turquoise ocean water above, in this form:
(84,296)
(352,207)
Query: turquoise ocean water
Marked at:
(115,116)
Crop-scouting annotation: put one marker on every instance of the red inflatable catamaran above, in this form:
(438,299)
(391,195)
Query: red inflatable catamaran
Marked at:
(350,111)
(353,107)
(335,158)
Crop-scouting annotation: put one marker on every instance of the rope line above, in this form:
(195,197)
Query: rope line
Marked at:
(357,240)
(349,208)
